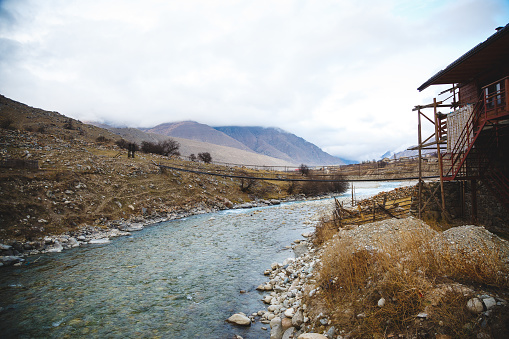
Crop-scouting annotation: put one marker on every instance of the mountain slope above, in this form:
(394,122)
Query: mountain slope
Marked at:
(196,131)
(280,144)
(219,153)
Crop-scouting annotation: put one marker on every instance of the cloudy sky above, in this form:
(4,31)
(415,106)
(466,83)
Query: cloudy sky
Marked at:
(343,74)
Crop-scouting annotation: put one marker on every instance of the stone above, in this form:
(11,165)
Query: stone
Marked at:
(289,313)
(298,318)
(99,241)
(300,250)
(286,323)
(311,336)
(475,305)
(331,332)
(276,329)
(10,260)
(489,302)
(56,248)
(4,247)
(381,302)
(267,299)
(239,319)
(72,242)
(289,333)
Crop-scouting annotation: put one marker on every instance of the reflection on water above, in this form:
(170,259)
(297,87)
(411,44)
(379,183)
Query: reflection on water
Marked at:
(175,279)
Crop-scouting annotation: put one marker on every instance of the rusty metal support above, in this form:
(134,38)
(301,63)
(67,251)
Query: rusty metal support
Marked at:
(419,145)
(439,154)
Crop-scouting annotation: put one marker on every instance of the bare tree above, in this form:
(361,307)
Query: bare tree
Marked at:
(205,157)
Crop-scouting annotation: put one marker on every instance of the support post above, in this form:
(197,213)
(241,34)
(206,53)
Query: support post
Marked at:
(440,168)
(419,143)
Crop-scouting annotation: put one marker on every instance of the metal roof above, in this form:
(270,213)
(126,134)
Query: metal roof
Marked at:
(492,52)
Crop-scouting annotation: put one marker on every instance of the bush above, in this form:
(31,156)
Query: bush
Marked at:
(167,148)
(205,157)
(304,170)
(317,185)
(192,157)
(102,139)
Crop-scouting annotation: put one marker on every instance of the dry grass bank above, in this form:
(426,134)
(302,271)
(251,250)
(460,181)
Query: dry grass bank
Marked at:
(402,278)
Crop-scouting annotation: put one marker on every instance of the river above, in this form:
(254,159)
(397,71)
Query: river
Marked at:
(176,279)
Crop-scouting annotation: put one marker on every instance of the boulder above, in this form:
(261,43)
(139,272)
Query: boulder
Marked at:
(239,319)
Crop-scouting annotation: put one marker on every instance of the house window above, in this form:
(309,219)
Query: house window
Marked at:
(493,95)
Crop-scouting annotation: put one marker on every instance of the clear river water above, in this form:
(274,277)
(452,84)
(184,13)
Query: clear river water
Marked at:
(175,279)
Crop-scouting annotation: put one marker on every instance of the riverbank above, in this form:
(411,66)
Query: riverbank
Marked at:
(397,278)
(14,252)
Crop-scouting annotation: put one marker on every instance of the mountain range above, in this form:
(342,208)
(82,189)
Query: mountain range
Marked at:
(268,141)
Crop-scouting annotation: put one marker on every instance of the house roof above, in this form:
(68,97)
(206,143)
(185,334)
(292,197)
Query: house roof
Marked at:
(481,58)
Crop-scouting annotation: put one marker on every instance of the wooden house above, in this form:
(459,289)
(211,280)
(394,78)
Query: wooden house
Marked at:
(473,138)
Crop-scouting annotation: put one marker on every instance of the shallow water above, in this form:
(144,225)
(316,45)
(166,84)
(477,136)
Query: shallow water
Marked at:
(176,279)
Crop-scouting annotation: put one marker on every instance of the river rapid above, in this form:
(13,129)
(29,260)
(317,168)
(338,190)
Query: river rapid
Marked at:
(176,279)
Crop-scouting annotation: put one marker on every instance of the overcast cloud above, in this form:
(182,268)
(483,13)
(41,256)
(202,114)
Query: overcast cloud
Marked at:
(341,74)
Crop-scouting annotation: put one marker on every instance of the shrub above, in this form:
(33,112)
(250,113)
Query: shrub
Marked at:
(102,139)
(192,157)
(167,148)
(205,157)
(304,170)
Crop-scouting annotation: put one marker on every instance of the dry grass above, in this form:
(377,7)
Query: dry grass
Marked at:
(413,270)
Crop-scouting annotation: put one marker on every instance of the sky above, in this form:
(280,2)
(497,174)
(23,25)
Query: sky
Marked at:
(342,74)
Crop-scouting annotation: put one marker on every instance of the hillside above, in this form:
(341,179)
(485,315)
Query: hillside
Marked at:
(56,176)
(280,144)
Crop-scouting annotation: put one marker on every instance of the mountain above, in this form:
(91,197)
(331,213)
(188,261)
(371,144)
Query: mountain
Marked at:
(277,143)
(195,131)
(219,153)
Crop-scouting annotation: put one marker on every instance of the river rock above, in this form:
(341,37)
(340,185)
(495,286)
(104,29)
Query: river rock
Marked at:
(72,242)
(276,330)
(99,241)
(298,318)
(311,336)
(56,248)
(489,302)
(300,250)
(289,333)
(239,319)
(10,260)
(4,247)
(132,227)
(267,299)
(286,323)
(289,313)
(475,305)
